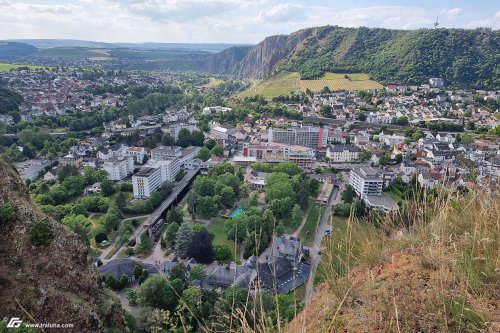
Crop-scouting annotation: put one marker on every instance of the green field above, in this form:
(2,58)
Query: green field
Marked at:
(287,82)
(217,228)
(7,67)
(312,221)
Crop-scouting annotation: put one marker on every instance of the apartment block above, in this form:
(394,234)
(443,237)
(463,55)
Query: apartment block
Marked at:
(118,169)
(306,136)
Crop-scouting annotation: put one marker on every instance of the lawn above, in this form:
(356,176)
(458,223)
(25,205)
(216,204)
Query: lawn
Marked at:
(344,240)
(308,232)
(7,67)
(286,82)
(217,228)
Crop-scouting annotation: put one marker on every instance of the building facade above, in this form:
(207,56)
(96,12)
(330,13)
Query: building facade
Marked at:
(306,136)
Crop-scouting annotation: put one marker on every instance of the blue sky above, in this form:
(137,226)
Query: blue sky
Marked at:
(226,21)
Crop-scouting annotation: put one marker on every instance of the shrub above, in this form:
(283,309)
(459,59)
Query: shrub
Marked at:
(102,236)
(6,212)
(41,233)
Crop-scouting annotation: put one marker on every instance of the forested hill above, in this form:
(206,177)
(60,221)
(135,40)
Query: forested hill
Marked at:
(12,50)
(463,57)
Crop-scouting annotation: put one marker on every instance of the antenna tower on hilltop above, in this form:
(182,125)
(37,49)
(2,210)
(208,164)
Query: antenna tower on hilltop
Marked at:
(436,23)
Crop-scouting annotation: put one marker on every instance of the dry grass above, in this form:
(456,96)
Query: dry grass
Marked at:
(441,274)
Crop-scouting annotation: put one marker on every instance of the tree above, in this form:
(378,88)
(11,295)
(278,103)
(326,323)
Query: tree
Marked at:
(178,271)
(325,110)
(78,223)
(175,215)
(167,140)
(204,154)
(183,240)
(121,201)
(348,195)
(107,187)
(222,253)
(197,138)
(217,150)
(290,168)
(201,248)
(402,121)
(184,138)
(146,244)
(159,292)
(198,272)
(66,171)
(384,159)
(361,116)
(365,155)
(467,138)
(399,158)
(210,143)
(171,232)
(40,233)
(79,209)
(100,237)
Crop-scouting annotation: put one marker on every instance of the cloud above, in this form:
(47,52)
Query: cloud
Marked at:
(492,22)
(179,10)
(231,21)
(282,12)
(452,13)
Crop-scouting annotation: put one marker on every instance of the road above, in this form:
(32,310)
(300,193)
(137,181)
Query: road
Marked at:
(158,212)
(334,199)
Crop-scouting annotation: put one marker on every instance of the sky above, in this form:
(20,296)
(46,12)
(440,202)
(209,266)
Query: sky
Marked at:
(227,21)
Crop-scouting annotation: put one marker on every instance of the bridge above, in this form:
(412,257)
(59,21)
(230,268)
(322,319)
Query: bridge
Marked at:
(155,222)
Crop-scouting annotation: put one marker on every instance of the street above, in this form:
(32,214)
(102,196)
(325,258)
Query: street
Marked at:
(335,198)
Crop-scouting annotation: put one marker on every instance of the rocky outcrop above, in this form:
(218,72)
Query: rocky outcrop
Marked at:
(52,283)
(258,61)
(226,61)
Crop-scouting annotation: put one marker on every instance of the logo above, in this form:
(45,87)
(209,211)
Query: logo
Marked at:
(14,322)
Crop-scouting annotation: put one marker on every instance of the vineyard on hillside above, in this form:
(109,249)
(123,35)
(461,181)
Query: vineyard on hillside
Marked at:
(287,82)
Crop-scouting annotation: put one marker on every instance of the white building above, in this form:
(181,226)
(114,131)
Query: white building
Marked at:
(166,152)
(343,153)
(114,151)
(306,136)
(118,169)
(137,153)
(366,181)
(146,181)
(390,140)
(150,177)
(215,109)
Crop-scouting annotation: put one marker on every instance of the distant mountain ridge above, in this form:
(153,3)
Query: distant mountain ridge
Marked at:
(463,57)
(47,43)
(13,50)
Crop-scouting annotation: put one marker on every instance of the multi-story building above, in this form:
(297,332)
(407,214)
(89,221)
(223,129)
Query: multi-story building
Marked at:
(306,136)
(114,151)
(277,152)
(166,152)
(343,153)
(150,177)
(174,129)
(366,181)
(118,169)
(146,181)
(137,153)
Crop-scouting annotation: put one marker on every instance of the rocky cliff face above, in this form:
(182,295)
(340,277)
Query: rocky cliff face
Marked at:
(258,61)
(226,61)
(52,283)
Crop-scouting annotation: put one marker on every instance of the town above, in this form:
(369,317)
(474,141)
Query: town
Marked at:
(170,175)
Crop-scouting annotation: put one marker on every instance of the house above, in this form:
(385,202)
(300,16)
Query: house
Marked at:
(343,153)
(51,175)
(93,189)
(118,267)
